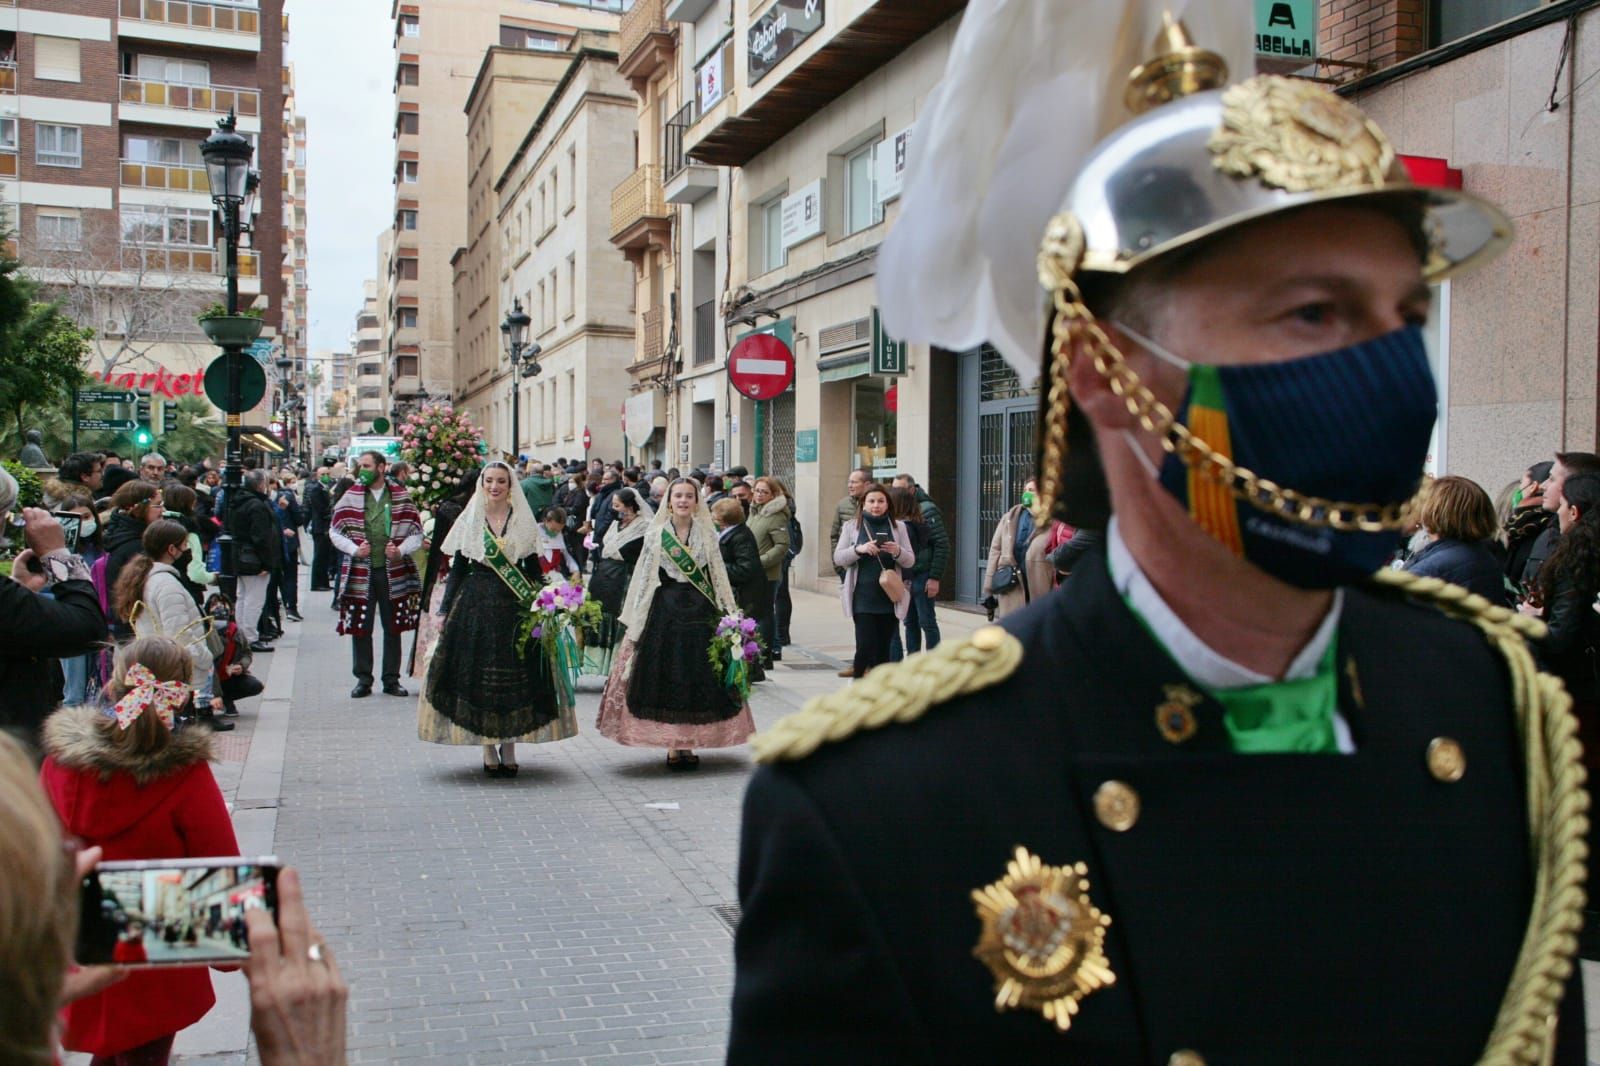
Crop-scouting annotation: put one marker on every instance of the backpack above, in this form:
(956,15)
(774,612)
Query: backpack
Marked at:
(797,539)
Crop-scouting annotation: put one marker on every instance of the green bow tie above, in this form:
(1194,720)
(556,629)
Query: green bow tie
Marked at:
(1284,716)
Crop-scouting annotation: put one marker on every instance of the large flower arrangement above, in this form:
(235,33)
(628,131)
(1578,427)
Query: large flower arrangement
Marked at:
(734,646)
(440,444)
(556,615)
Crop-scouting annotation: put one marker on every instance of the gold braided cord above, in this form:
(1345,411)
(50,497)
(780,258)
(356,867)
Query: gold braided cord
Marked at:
(1558,824)
(893,693)
(1073,319)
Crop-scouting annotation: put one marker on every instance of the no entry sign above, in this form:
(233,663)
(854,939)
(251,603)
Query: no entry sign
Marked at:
(761,366)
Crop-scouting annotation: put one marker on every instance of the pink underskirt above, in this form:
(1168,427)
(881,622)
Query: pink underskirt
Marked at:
(618,723)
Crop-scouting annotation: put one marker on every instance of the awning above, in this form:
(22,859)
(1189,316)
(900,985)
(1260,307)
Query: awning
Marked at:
(844,367)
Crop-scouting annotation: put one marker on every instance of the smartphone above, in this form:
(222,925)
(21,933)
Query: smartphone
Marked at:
(172,912)
(71,523)
(883,538)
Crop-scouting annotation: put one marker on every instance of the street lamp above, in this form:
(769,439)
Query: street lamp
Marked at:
(513,334)
(227,156)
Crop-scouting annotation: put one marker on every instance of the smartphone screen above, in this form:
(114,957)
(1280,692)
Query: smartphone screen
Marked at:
(172,912)
(71,523)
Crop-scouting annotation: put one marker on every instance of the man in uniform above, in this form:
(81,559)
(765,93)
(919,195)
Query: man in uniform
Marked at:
(1227,797)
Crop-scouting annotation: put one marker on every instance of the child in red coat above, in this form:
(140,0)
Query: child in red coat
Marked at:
(126,782)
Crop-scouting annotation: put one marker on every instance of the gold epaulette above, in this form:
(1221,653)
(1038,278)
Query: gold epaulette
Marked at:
(1558,822)
(895,692)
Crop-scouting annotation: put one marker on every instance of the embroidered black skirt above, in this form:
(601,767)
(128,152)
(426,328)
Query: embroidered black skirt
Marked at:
(673,680)
(477,680)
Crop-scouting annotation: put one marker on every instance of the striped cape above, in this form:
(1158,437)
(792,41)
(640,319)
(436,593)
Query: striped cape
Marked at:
(405,588)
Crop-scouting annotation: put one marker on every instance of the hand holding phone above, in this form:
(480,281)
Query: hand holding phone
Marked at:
(172,912)
(297,995)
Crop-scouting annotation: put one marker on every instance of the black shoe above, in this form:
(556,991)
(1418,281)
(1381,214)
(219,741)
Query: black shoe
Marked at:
(362,690)
(294,616)
(260,646)
(216,726)
(394,689)
(321,588)
(231,711)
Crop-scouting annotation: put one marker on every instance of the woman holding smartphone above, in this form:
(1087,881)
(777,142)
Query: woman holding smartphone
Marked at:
(871,545)
(125,782)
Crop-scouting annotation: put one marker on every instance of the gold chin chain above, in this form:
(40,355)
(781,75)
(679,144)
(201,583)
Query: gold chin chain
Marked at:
(1072,318)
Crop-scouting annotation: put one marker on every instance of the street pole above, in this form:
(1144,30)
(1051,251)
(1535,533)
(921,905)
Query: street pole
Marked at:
(228,578)
(516,401)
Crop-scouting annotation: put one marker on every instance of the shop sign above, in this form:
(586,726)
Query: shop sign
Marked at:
(1286,28)
(712,85)
(892,165)
(781,29)
(888,356)
(161,382)
(802,215)
(805,446)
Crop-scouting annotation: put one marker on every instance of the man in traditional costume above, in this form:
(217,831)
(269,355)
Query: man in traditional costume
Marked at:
(1236,793)
(376,527)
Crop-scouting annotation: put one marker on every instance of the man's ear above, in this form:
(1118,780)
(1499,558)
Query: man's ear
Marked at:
(1092,394)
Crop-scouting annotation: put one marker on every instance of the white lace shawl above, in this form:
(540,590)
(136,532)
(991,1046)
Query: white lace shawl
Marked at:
(703,549)
(522,532)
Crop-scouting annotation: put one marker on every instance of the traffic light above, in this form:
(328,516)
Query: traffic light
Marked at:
(142,437)
(169,418)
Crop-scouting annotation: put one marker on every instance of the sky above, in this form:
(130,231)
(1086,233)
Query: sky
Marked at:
(343,57)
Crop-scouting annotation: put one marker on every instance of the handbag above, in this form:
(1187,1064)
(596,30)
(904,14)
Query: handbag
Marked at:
(892,583)
(1005,578)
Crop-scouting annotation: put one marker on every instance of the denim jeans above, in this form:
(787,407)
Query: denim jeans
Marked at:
(76,672)
(922,622)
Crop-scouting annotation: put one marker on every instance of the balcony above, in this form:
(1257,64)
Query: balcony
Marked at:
(178,260)
(196,22)
(8,164)
(684,182)
(650,333)
(139,175)
(639,214)
(8,72)
(874,38)
(203,102)
(644,44)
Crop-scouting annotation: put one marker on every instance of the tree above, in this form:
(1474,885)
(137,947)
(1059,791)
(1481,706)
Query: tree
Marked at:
(333,407)
(41,354)
(197,435)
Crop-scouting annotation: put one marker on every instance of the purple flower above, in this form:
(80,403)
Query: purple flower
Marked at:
(537,632)
(748,626)
(751,649)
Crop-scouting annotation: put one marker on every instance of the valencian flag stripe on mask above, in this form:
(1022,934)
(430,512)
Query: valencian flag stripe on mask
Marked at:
(1211,504)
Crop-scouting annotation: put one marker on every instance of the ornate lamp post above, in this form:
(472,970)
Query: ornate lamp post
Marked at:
(227,157)
(514,334)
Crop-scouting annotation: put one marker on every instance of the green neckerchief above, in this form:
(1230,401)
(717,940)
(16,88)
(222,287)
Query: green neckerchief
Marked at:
(494,557)
(1278,717)
(686,565)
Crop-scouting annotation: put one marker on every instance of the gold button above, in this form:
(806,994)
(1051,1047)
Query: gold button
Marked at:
(1446,761)
(1186,1057)
(989,638)
(1116,804)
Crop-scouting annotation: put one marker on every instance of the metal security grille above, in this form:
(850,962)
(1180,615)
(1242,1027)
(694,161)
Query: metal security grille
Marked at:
(780,438)
(997,380)
(1007,416)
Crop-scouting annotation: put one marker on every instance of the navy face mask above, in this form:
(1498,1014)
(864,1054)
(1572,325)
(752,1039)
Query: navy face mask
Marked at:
(1351,425)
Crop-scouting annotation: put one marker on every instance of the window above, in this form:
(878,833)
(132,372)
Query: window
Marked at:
(407,74)
(555,194)
(56,59)
(572,176)
(408,219)
(410,122)
(773,254)
(169,69)
(172,151)
(59,231)
(543,213)
(572,285)
(538,316)
(861,208)
(408,318)
(1461,18)
(552,319)
(410,26)
(8,135)
(522,37)
(58,146)
(406,269)
(408,171)
(572,402)
(171,227)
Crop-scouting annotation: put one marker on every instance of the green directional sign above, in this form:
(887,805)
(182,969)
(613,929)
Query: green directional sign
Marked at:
(252,382)
(106,423)
(105,396)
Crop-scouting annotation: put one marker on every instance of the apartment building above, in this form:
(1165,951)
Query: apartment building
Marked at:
(365,380)
(438,43)
(296,326)
(555,222)
(103,105)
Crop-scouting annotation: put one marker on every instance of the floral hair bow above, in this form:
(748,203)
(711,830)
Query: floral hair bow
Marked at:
(146,692)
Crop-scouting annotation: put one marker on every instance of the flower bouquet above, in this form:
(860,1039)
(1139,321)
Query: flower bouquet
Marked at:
(440,444)
(557,612)
(734,646)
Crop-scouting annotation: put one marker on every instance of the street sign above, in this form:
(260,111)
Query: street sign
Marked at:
(105,396)
(761,366)
(106,423)
(252,382)
(380,425)
(587,440)
(260,350)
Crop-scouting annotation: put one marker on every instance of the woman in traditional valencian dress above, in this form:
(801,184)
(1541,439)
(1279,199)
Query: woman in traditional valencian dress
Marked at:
(480,689)
(437,568)
(613,572)
(663,691)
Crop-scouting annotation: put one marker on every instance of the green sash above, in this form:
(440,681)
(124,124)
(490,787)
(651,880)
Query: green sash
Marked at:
(686,565)
(494,557)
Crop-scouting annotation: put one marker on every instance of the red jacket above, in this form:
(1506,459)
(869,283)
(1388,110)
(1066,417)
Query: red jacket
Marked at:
(158,807)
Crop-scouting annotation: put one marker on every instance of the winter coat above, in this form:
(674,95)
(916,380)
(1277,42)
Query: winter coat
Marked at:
(286,510)
(740,557)
(122,540)
(843,511)
(318,508)
(160,806)
(540,492)
(1543,547)
(1572,640)
(169,611)
(932,562)
(255,533)
(770,524)
(35,632)
(1522,528)
(1472,566)
(1035,574)
(845,558)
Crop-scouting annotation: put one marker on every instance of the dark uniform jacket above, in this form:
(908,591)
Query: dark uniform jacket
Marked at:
(747,577)
(1268,909)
